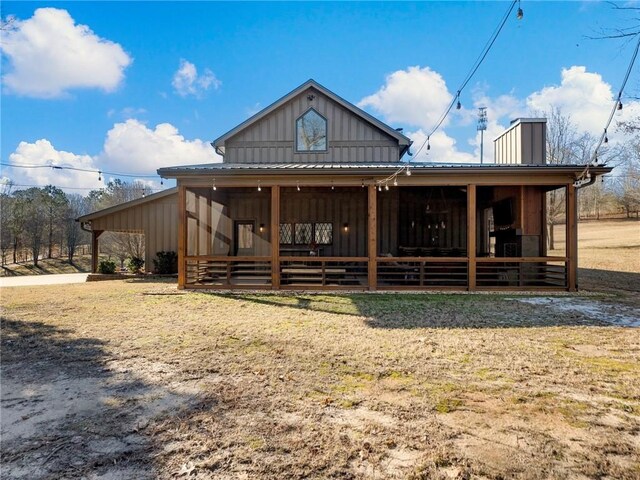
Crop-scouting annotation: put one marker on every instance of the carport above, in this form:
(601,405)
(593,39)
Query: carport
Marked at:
(155,216)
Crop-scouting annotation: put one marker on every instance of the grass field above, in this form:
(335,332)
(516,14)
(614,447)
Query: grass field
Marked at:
(47,266)
(135,379)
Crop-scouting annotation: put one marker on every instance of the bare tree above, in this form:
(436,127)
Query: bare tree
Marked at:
(31,204)
(76,207)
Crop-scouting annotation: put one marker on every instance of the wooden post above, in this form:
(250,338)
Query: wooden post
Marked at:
(471,236)
(572,237)
(182,235)
(95,249)
(275,237)
(372,237)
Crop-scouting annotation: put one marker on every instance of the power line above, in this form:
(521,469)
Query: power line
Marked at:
(77,169)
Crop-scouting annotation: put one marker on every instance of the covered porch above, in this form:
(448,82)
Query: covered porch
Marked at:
(437,232)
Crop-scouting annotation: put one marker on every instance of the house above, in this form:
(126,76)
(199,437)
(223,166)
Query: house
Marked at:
(314,193)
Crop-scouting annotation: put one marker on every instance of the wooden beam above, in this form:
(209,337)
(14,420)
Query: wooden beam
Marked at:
(95,234)
(372,237)
(275,236)
(572,237)
(471,235)
(182,235)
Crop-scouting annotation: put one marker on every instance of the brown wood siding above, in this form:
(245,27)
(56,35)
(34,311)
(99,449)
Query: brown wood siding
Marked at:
(339,206)
(156,220)
(349,138)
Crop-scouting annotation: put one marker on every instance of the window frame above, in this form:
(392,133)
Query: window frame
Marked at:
(294,241)
(326,133)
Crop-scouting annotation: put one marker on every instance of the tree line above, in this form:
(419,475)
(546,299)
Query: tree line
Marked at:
(41,222)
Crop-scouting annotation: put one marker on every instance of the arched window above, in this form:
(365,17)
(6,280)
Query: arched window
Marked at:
(311,132)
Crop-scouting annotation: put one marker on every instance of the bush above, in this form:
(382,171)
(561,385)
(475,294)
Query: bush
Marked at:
(107,266)
(135,264)
(166,263)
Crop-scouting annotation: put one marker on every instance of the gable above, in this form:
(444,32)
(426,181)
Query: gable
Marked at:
(352,136)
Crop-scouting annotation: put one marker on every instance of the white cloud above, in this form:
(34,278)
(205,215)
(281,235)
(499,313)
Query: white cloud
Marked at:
(415,96)
(49,54)
(443,148)
(186,80)
(132,147)
(42,152)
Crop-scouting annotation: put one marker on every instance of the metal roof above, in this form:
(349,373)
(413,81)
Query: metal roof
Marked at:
(125,205)
(361,168)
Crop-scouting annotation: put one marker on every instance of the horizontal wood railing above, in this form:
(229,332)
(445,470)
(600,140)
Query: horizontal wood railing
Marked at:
(522,272)
(323,272)
(228,272)
(421,272)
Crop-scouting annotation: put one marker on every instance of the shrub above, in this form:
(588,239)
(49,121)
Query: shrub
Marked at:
(135,264)
(166,263)
(107,266)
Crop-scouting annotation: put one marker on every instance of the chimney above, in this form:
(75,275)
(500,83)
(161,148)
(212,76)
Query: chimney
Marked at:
(524,142)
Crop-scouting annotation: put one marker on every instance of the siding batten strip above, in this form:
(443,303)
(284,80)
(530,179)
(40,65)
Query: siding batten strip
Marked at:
(182,232)
(572,237)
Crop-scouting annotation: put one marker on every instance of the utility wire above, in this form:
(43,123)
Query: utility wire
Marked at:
(77,169)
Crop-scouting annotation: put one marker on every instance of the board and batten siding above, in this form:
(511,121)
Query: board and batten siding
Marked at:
(524,142)
(156,220)
(350,139)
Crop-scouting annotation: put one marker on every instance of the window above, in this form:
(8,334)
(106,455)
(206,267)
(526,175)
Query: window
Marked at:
(311,132)
(304,233)
(323,234)
(286,234)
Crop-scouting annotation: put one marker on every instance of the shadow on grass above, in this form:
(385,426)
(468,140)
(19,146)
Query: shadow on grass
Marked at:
(608,280)
(67,413)
(413,311)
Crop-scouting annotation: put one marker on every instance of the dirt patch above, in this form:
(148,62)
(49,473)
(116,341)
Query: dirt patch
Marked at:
(132,379)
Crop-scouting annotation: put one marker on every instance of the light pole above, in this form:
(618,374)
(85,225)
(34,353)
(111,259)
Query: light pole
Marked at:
(482,126)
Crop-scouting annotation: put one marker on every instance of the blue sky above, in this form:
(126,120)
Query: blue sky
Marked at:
(131,87)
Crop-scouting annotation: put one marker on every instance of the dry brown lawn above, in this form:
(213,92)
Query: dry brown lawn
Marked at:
(135,379)
(46,266)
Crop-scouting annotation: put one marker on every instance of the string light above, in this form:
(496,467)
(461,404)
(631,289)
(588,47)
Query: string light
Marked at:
(428,144)
(298,186)
(379,188)
(362,183)
(619,105)
(214,185)
(520,13)
(161,181)
(386,186)
(99,176)
(606,139)
(395,181)
(458,104)
(408,171)
(332,187)
(259,186)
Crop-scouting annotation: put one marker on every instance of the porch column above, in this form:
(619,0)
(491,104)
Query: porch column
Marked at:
(471,236)
(275,237)
(94,249)
(373,241)
(182,234)
(572,238)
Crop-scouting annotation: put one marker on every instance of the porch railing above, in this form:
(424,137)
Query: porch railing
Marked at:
(421,272)
(522,272)
(323,272)
(228,272)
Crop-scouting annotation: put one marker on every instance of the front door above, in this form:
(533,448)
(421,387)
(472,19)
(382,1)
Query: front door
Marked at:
(244,238)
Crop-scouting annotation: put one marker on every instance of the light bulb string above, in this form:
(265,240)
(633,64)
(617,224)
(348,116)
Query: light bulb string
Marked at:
(455,99)
(614,108)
